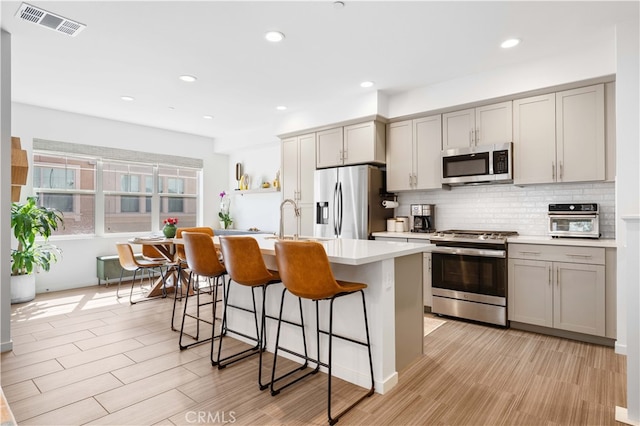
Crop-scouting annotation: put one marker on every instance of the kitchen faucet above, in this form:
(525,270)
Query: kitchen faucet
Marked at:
(296,211)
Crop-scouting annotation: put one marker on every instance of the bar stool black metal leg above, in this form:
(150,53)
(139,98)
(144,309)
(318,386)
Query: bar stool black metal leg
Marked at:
(223,362)
(334,420)
(304,356)
(263,337)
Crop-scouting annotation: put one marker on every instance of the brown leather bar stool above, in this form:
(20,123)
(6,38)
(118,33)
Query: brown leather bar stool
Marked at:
(245,266)
(305,272)
(202,260)
(129,262)
(181,260)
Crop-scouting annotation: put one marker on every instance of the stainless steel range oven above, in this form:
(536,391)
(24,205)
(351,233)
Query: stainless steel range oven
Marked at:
(469,275)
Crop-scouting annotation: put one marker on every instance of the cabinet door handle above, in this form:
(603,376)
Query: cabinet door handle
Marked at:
(533,253)
(561,171)
(477,136)
(410,180)
(582,256)
(550,276)
(415,180)
(470,137)
(553,170)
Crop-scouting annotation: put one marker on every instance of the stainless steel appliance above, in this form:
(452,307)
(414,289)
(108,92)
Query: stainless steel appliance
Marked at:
(422,218)
(469,275)
(478,164)
(574,220)
(348,202)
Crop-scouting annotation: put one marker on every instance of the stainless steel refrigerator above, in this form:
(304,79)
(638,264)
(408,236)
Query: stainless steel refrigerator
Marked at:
(348,202)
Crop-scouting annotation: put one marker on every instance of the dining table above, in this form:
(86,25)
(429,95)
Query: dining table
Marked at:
(167,249)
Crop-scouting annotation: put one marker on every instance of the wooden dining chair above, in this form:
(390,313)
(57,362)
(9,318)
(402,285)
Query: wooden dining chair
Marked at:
(129,262)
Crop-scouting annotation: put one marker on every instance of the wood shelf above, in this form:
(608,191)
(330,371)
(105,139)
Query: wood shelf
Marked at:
(254,191)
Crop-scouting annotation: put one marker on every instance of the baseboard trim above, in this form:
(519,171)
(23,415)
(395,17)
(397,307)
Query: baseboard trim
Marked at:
(622,417)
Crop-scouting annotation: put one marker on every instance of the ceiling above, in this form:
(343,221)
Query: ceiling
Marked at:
(139,49)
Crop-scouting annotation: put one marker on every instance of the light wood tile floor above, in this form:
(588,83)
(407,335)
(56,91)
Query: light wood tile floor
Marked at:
(82,357)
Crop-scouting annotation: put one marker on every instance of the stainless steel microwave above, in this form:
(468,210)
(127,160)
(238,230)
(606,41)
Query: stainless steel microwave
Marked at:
(478,164)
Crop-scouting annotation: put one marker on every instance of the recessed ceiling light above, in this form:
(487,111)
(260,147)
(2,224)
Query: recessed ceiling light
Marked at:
(172,108)
(127,98)
(510,43)
(274,36)
(208,117)
(366,84)
(338,4)
(188,78)
(281,108)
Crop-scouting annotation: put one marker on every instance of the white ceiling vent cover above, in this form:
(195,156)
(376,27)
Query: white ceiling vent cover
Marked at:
(49,20)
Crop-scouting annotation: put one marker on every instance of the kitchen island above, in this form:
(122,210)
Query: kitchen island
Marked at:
(393,273)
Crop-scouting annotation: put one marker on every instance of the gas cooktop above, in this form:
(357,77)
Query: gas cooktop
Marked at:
(472,236)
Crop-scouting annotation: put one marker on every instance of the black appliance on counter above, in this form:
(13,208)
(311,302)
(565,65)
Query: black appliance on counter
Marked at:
(469,274)
(423,217)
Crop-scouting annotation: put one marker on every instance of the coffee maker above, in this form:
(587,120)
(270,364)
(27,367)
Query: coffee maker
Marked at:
(423,218)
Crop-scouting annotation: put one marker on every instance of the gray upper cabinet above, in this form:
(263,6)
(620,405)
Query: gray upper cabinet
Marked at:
(559,137)
(534,138)
(483,125)
(580,134)
(413,154)
(360,143)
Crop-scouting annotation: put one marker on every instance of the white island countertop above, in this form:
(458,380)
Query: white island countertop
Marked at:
(352,252)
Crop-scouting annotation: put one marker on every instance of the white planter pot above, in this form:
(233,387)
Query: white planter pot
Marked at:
(23,288)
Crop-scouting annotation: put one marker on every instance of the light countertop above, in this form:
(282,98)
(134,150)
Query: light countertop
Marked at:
(416,235)
(520,239)
(580,242)
(353,252)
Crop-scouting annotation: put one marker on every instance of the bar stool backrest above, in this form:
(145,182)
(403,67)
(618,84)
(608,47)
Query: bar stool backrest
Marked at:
(304,269)
(180,249)
(127,259)
(244,262)
(201,254)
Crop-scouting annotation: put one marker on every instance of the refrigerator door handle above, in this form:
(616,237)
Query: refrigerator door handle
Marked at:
(335,210)
(340,209)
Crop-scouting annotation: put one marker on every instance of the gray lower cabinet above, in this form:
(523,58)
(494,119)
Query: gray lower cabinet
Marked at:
(426,265)
(561,287)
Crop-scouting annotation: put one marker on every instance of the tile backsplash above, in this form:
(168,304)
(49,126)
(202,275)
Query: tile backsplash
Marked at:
(510,207)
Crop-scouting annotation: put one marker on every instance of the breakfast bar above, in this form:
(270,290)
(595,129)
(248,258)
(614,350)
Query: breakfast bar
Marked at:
(393,273)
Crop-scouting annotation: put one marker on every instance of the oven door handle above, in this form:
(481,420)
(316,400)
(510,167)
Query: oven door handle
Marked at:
(470,252)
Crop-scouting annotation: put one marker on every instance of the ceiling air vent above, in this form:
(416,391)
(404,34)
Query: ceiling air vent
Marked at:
(49,20)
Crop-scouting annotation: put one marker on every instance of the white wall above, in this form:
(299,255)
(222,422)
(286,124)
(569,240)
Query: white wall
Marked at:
(77,267)
(259,210)
(628,205)
(6,344)
(598,61)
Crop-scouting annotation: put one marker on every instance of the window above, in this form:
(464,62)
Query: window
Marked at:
(67,183)
(134,190)
(178,188)
(125,203)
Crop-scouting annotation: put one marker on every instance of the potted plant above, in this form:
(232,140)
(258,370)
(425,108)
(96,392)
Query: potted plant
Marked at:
(223,214)
(28,221)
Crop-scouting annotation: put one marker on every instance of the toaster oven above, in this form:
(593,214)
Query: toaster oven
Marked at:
(574,220)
